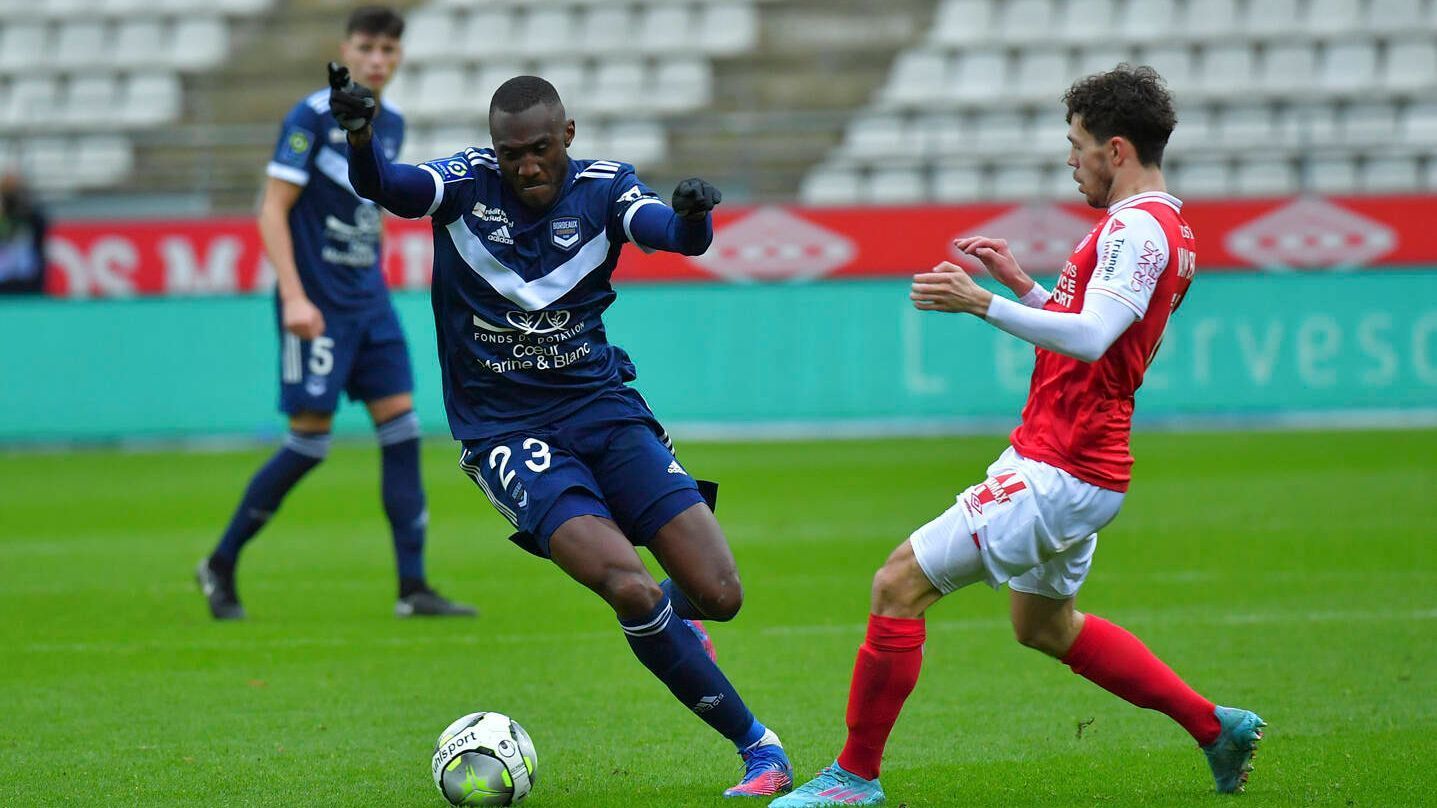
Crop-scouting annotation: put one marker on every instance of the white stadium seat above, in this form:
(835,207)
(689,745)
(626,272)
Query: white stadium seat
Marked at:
(81,44)
(150,98)
(1203,179)
(1000,132)
(936,133)
(666,28)
(681,84)
(141,43)
(875,136)
(1348,67)
(548,30)
(33,103)
(1246,125)
(1390,175)
(89,100)
(729,28)
(607,29)
(637,142)
(1193,132)
(1333,17)
(1270,17)
(1287,67)
(896,186)
(431,33)
(1394,16)
(570,79)
(487,33)
(490,76)
(103,159)
(1208,19)
(917,77)
(1085,21)
(1369,124)
(1330,175)
(1419,125)
(1149,19)
(1018,182)
(199,43)
(959,184)
(962,22)
(978,75)
(1022,21)
(1265,177)
(1173,62)
(23,46)
(1223,67)
(830,186)
(437,89)
(618,85)
(1042,75)
(1410,66)
(1307,125)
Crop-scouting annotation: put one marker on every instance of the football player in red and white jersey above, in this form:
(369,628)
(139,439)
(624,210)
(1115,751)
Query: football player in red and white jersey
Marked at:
(1033,523)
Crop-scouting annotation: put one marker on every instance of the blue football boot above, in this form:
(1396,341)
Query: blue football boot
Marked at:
(1230,756)
(766,770)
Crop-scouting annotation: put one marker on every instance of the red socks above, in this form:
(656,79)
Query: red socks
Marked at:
(883,676)
(1111,658)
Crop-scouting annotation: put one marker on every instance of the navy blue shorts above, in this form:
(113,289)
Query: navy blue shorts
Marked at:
(611,459)
(363,355)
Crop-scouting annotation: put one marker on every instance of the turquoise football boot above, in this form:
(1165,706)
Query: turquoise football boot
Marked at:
(833,786)
(1230,756)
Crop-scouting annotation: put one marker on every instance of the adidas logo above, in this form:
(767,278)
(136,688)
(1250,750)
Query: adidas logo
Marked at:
(708,703)
(502,235)
(675,468)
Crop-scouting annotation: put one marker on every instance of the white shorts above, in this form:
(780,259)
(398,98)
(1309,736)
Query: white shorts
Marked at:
(1029,525)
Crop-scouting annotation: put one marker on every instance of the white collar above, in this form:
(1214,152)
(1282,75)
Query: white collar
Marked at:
(1151,196)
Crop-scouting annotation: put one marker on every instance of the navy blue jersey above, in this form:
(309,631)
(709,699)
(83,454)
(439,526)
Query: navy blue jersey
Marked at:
(336,233)
(519,296)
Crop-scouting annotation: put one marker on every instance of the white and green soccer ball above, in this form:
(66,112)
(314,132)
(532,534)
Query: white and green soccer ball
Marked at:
(484,759)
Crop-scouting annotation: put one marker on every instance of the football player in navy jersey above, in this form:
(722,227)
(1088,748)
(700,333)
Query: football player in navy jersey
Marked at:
(338,329)
(525,243)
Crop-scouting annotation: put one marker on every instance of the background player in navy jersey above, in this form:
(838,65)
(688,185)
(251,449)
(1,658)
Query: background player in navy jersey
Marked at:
(338,330)
(525,242)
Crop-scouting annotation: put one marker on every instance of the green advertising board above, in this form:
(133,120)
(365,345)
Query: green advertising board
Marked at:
(782,358)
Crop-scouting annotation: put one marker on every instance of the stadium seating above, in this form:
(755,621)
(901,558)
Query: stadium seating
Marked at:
(621,67)
(1274,97)
(72,72)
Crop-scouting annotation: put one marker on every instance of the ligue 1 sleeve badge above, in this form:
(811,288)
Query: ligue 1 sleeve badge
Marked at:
(564,232)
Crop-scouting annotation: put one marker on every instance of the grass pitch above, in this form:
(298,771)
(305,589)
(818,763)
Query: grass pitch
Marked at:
(1294,573)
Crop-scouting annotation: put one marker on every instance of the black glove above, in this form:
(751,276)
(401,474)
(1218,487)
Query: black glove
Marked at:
(694,198)
(350,103)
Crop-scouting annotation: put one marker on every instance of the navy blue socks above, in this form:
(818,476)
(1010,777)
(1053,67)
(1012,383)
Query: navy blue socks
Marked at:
(301,452)
(403,495)
(683,607)
(673,653)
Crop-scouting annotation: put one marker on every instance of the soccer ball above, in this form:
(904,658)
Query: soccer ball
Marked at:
(484,759)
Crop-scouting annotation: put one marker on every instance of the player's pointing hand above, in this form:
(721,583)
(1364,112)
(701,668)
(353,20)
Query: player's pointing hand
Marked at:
(998,260)
(948,288)
(351,103)
(694,198)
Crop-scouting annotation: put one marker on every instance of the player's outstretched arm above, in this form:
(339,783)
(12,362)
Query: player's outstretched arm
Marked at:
(1003,267)
(404,190)
(686,227)
(1085,335)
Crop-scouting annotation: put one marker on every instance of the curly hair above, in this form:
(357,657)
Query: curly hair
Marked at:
(1128,102)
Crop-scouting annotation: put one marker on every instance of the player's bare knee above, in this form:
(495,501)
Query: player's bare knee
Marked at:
(631,593)
(1040,636)
(723,600)
(894,593)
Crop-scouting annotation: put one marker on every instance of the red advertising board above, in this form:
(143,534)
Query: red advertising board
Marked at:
(115,258)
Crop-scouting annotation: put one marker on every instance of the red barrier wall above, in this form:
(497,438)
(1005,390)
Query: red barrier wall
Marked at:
(223,255)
